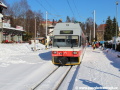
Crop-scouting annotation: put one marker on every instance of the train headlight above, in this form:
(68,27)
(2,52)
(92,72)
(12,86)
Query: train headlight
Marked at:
(54,52)
(75,52)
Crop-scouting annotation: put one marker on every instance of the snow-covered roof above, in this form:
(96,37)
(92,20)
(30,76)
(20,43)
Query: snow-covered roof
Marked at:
(51,26)
(2,5)
(11,28)
(118,39)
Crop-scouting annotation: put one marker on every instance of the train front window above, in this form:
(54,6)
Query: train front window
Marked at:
(65,41)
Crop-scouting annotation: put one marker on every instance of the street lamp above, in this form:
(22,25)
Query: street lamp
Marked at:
(116,24)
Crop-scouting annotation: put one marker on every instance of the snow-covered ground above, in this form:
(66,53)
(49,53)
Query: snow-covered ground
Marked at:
(100,70)
(21,68)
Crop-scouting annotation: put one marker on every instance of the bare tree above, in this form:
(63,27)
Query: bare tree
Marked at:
(73,19)
(20,8)
(20,14)
(39,20)
(89,27)
(29,19)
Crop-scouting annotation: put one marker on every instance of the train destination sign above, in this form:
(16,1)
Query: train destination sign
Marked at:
(66,32)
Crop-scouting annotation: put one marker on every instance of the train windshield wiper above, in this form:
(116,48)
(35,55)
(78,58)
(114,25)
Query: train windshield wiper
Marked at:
(71,45)
(57,46)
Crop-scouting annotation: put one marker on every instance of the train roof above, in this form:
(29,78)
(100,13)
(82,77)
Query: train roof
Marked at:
(75,27)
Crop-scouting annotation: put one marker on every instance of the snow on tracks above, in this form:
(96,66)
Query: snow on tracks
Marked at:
(24,78)
(53,80)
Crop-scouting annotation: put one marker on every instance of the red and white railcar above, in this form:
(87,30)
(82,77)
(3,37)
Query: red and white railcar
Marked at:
(68,44)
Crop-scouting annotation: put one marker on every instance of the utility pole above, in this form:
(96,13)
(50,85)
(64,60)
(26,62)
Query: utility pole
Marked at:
(103,44)
(46,31)
(116,24)
(103,30)
(94,24)
(46,24)
(35,36)
(40,28)
(90,35)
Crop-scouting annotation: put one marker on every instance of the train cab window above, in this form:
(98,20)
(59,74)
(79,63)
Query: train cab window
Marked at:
(65,41)
(59,41)
(74,41)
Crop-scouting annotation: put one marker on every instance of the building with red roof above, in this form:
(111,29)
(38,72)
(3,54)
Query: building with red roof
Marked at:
(100,32)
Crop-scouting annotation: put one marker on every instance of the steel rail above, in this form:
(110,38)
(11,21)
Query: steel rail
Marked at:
(57,83)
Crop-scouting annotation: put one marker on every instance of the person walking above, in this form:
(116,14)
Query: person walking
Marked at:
(93,45)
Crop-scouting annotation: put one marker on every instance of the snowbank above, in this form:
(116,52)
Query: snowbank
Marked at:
(113,52)
(18,49)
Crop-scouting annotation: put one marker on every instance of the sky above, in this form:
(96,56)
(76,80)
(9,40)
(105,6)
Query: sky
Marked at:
(79,9)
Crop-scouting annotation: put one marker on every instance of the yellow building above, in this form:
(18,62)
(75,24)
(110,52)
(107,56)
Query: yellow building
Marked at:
(100,32)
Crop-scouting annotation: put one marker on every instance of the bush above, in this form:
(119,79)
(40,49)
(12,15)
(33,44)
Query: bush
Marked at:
(108,45)
(118,47)
(27,36)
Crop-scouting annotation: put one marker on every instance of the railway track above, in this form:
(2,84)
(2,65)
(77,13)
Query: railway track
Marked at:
(53,80)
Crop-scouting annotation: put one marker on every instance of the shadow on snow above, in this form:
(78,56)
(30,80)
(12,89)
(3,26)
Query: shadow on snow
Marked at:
(71,84)
(91,84)
(46,56)
(114,60)
(103,71)
(96,51)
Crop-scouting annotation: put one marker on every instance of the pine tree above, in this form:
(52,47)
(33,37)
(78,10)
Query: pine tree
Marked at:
(53,22)
(68,19)
(108,29)
(114,28)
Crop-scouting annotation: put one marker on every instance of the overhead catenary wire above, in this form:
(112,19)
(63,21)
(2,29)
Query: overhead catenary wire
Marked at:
(46,9)
(70,8)
(54,15)
(78,11)
(76,8)
(41,5)
(51,6)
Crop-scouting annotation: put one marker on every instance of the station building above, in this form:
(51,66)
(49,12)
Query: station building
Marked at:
(10,34)
(100,32)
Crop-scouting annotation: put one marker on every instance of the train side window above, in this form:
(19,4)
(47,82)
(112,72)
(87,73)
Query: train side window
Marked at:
(80,41)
